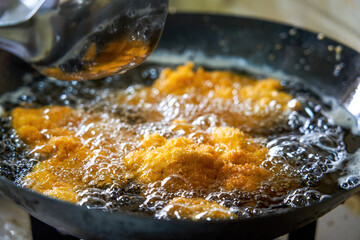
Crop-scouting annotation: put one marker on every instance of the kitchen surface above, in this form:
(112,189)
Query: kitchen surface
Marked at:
(332,18)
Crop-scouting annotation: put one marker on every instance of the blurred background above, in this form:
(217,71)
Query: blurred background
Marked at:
(337,19)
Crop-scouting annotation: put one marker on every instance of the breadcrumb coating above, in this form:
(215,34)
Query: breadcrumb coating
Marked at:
(229,160)
(255,106)
(64,168)
(222,84)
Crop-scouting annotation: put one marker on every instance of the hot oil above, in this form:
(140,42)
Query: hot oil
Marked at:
(111,49)
(307,146)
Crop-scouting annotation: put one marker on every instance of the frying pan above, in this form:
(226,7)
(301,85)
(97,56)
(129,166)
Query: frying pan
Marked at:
(223,40)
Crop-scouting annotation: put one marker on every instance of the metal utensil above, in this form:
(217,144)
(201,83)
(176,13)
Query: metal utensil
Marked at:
(81,39)
(15,12)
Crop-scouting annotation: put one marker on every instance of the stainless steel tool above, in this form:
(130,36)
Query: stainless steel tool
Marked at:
(81,39)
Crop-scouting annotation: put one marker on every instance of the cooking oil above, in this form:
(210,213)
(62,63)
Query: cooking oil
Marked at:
(304,144)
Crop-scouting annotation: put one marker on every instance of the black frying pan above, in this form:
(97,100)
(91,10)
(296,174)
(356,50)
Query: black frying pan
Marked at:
(234,38)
